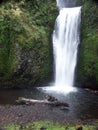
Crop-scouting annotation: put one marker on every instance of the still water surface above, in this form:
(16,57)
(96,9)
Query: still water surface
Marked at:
(83,104)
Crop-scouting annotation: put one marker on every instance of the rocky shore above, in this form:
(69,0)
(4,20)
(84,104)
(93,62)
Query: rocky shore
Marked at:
(23,114)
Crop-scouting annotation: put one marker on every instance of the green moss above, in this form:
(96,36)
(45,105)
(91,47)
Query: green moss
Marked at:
(48,125)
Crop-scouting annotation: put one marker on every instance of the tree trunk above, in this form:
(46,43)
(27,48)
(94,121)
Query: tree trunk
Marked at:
(32,101)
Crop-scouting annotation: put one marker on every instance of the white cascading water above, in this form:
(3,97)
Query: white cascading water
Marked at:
(65,46)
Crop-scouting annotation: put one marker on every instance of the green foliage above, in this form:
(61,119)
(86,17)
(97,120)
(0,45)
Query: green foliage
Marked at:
(6,45)
(88,59)
(25,29)
(44,13)
(49,125)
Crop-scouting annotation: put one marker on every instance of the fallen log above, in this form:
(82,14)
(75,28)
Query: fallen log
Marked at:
(33,101)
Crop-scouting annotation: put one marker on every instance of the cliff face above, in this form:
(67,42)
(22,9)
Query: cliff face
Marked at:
(25,42)
(87,68)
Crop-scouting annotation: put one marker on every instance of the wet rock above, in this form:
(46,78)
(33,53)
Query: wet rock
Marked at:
(51,98)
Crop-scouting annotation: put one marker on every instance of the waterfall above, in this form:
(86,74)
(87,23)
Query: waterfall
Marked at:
(65,45)
(66,3)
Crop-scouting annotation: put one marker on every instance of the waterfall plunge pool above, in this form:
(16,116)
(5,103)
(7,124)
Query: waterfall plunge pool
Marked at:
(83,104)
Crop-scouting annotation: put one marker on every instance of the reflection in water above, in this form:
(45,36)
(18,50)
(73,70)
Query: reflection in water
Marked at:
(10,96)
(83,104)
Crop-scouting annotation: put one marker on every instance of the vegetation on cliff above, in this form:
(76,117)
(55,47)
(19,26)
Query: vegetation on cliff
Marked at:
(88,55)
(25,41)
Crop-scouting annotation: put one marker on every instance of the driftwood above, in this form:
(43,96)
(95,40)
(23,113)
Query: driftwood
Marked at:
(32,101)
(92,91)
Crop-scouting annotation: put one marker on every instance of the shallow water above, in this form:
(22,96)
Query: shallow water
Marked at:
(83,104)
